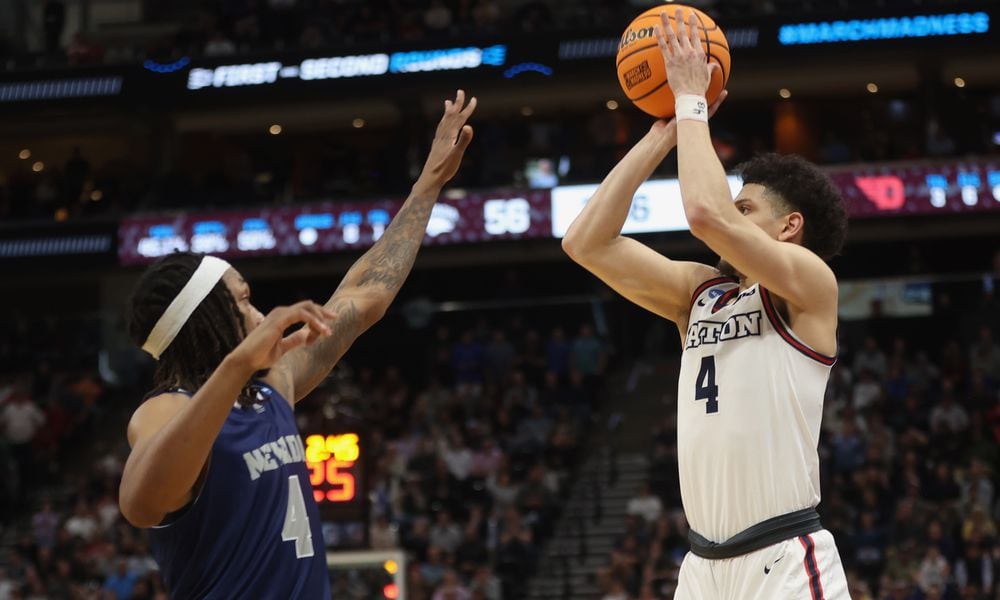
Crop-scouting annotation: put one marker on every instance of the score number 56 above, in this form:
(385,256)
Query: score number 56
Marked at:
(507,216)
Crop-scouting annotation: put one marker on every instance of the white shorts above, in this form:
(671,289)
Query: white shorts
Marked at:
(802,568)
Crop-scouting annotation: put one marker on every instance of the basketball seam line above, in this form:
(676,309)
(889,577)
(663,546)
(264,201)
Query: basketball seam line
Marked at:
(654,90)
(708,42)
(637,50)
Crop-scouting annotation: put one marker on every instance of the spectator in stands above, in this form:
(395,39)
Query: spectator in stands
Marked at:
(977,488)
(871,357)
(975,568)
(537,497)
(869,543)
(503,490)
(445,534)
(472,553)
(382,534)
(934,570)
(487,459)
(645,505)
(82,525)
(467,363)
(498,358)
(867,391)
(941,486)
(485,585)
(417,541)
(54,21)
(44,525)
(433,569)
(456,454)
(485,15)
(451,589)
(515,554)
(948,417)
(121,582)
(557,352)
(985,355)
(848,448)
(219,45)
(587,353)
(437,17)
(20,420)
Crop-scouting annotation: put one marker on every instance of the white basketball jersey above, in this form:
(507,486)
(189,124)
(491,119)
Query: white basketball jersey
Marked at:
(749,405)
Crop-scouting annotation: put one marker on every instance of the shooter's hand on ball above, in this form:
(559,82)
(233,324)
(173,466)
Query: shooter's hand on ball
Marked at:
(688,68)
(450,141)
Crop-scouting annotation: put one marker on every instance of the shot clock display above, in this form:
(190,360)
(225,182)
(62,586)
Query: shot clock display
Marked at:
(336,472)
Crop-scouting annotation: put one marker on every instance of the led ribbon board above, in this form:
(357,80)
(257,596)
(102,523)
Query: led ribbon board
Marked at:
(886,28)
(346,67)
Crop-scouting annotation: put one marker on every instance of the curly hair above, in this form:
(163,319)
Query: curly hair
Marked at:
(799,185)
(214,329)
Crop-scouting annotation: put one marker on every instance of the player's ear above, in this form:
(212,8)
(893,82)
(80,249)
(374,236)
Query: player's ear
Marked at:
(792,226)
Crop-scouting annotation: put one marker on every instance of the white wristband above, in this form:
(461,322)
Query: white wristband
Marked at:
(691,107)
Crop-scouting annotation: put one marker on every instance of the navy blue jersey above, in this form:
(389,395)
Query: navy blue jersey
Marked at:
(253,529)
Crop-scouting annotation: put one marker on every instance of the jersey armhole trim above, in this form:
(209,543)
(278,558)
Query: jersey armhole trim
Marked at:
(174,517)
(267,389)
(787,334)
(706,285)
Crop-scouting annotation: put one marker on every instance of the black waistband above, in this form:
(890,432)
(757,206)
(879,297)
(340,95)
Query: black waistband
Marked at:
(761,535)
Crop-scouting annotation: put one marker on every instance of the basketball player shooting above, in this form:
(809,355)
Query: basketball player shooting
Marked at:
(217,465)
(758,335)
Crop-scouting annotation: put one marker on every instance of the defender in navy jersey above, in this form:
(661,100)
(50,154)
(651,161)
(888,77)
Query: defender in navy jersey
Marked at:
(758,337)
(217,469)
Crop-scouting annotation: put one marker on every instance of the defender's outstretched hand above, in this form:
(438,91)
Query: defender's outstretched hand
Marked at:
(450,141)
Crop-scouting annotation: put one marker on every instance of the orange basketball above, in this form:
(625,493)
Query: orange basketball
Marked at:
(641,71)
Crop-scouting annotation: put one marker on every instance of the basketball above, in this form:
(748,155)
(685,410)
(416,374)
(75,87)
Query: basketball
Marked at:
(641,71)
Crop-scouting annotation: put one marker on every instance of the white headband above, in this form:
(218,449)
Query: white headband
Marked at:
(204,278)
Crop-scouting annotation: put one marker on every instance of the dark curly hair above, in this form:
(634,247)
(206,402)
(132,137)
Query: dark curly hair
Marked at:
(215,328)
(799,185)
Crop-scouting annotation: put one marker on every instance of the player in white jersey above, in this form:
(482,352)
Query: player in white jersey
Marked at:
(759,338)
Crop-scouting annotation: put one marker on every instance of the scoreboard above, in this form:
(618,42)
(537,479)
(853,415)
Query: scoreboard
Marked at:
(336,463)
(869,191)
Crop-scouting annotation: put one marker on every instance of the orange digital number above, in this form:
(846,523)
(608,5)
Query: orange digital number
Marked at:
(344,480)
(344,447)
(317,473)
(316,449)
(327,457)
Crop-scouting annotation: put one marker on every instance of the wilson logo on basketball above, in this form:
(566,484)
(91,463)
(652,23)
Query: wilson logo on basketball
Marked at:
(632,35)
(637,75)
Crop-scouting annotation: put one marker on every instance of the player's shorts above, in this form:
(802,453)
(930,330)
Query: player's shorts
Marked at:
(802,568)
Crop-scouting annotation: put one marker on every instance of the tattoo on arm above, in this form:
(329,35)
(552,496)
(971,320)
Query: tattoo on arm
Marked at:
(375,278)
(390,260)
(321,357)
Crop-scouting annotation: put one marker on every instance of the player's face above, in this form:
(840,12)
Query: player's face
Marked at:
(240,290)
(754,203)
